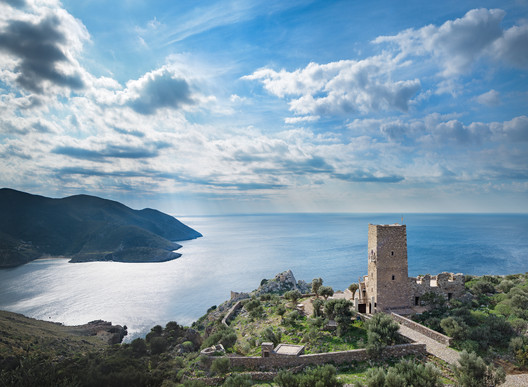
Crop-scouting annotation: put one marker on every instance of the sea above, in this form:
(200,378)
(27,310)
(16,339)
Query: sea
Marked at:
(237,251)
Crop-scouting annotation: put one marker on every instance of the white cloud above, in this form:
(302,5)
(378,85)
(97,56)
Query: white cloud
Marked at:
(296,120)
(457,44)
(490,98)
(512,47)
(340,87)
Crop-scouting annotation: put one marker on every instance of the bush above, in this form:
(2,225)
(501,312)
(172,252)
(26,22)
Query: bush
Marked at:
(292,317)
(238,380)
(220,365)
(382,330)
(194,383)
(472,371)
(286,379)
(139,347)
(223,335)
(454,328)
(158,345)
(269,335)
(322,376)
(406,373)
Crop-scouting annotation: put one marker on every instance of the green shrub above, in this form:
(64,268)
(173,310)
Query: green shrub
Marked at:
(405,373)
(139,347)
(238,380)
(286,379)
(382,330)
(472,371)
(269,334)
(220,365)
(158,345)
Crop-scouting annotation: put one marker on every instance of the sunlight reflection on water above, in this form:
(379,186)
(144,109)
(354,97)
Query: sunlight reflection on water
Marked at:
(236,252)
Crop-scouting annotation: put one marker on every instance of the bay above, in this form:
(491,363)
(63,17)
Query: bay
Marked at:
(238,251)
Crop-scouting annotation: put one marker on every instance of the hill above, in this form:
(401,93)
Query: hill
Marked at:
(85,228)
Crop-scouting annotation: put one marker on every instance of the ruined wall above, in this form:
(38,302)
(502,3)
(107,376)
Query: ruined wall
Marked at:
(277,361)
(448,285)
(436,336)
(387,267)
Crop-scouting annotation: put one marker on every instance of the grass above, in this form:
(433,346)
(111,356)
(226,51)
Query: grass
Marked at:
(250,328)
(21,335)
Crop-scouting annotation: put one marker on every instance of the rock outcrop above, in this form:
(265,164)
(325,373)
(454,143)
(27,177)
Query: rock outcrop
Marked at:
(110,334)
(282,283)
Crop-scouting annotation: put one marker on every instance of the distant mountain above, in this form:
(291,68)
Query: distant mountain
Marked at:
(85,228)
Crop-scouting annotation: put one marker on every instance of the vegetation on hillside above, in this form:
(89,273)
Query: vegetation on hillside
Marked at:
(46,354)
(492,323)
(84,228)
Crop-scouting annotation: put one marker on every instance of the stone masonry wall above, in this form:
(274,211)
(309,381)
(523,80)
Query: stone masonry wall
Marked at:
(277,361)
(436,336)
(232,312)
(387,268)
(443,284)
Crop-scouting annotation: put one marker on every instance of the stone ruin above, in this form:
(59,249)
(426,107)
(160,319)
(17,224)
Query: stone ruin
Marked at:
(387,287)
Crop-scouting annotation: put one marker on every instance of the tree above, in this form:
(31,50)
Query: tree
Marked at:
(139,347)
(317,305)
(158,345)
(382,330)
(340,311)
(326,291)
(269,334)
(293,296)
(316,284)
(472,371)
(353,287)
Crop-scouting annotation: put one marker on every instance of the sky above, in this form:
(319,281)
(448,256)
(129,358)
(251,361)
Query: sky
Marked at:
(242,106)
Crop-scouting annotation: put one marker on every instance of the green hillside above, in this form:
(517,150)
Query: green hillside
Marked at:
(86,228)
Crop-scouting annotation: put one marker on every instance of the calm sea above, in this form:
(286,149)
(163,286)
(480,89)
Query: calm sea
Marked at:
(237,252)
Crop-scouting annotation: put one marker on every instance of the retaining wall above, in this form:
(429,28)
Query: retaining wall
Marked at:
(436,336)
(278,361)
(229,315)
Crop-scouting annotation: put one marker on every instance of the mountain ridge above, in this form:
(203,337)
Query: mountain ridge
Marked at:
(85,228)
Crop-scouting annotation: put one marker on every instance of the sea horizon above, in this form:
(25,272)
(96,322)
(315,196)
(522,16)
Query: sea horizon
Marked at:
(238,251)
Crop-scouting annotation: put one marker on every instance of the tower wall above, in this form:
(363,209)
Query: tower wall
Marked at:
(388,284)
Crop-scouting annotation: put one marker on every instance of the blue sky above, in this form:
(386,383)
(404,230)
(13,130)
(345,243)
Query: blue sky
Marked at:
(209,107)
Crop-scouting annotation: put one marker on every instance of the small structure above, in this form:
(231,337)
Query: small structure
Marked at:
(388,287)
(213,350)
(267,349)
(281,350)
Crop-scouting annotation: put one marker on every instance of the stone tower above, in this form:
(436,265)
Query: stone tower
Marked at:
(387,283)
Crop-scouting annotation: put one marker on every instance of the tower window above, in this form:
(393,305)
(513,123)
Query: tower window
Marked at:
(393,277)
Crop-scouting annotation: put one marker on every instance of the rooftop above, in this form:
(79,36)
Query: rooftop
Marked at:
(289,349)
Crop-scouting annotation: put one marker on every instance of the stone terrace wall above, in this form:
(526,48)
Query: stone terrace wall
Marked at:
(436,336)
(277,361)
(229,315)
